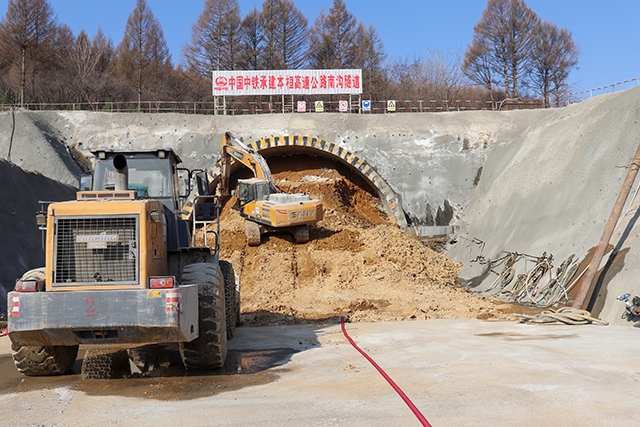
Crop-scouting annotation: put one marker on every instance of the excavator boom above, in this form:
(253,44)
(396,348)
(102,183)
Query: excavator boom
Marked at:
(233,148)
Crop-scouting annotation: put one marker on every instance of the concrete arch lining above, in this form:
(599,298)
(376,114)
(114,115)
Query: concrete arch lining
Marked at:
(315,146)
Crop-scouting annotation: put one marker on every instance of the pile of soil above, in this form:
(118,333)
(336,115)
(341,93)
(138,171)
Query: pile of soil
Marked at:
(357,263)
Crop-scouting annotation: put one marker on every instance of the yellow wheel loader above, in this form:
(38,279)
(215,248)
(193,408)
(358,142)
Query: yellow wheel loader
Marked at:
(263,207)
(121,271)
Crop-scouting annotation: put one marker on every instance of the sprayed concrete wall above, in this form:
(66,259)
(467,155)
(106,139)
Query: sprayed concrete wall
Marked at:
(526,181)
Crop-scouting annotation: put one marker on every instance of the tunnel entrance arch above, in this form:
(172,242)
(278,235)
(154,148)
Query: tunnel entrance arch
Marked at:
(291,145)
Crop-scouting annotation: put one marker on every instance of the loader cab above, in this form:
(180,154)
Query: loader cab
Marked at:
(253,189)
(153,174)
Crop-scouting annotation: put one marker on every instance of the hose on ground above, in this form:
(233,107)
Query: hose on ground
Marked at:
(566,315)
(531,287)
(404,397)
(4,333)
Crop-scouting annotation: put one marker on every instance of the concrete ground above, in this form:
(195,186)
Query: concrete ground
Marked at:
(457,372)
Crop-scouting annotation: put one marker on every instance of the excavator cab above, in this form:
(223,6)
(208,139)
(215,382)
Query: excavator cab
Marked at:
(253,189)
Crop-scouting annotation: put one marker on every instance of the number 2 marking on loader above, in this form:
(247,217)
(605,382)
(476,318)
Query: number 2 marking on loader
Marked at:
(91,309)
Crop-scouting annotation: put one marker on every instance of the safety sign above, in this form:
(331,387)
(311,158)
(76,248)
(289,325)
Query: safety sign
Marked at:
(391,105)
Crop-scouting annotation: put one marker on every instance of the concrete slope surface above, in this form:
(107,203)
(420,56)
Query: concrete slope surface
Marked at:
(21,241)
(33,141)
(552,188)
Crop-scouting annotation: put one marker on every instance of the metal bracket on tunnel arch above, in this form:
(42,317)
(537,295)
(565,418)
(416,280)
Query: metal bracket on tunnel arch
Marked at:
(316,146)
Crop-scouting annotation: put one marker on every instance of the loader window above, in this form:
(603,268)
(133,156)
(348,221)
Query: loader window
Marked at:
(148,175)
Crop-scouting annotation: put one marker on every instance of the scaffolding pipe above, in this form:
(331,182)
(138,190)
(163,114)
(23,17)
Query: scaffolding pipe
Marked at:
(587,285)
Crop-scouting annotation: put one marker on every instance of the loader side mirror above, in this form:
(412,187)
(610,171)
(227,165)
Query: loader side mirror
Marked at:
(202,182)
(86,182)
(184,182)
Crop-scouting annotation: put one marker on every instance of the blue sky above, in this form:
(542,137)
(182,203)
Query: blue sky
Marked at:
(608,33)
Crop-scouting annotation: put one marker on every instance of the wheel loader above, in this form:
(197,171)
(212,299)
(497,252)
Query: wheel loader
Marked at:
(264,208)
(122,271)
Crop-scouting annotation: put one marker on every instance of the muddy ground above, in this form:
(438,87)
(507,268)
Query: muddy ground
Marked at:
(357,263)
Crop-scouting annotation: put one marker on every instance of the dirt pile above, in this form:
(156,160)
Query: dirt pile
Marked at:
(357,264)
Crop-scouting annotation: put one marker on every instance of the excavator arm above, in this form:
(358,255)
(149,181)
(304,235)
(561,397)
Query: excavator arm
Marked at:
(235,150)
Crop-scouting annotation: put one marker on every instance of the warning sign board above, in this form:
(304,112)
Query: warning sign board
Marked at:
(344,106)
(319,106)
(366,105)
(302,106)
(391,105)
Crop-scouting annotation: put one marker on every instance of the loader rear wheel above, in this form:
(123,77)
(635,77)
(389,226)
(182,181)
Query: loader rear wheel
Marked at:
(252,231)
(231,298)
(209,350)
(44,360)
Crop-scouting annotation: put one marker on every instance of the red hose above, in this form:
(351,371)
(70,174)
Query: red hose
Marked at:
(404,397)
(4,333)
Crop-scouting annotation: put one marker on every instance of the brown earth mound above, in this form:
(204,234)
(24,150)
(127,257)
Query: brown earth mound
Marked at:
(356,264)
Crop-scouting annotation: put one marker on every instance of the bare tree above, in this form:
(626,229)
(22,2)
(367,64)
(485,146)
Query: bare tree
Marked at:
(293,36)
(215,39)
(553,56)
(370,57)
(251,41)
(503,36)
(522,22)
(478,64)
(26,31)
(143,55)
(333,38)
(269,17)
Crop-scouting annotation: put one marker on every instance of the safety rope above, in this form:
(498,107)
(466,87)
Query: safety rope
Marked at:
(404,397)
(566,315)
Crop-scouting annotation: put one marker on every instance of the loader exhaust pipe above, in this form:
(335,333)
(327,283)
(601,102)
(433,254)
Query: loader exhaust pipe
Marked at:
(122,173)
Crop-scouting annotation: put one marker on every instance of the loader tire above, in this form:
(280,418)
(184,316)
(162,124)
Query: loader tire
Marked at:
(209,350)
(252,231)
(231,297)
(44,360)
(105,364)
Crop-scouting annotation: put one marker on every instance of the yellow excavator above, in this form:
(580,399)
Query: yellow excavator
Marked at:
(264,208)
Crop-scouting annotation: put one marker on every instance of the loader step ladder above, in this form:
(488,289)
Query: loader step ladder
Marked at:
(206,213)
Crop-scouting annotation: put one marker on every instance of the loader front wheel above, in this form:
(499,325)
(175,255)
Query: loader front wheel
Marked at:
(231,297)
(44,360)
(209,350)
